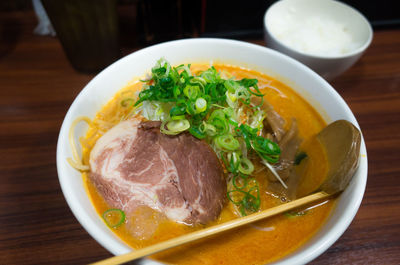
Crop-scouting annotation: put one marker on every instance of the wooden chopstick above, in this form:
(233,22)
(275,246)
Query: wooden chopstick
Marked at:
(174,242)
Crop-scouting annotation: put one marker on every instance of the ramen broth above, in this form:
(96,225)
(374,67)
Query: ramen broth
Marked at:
(258,243)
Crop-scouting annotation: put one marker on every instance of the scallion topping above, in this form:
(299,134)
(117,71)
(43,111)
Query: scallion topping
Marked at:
(227,142)
(201,105)
(245,166)
(175,127)
(292,214)
(217,110)
(114,217)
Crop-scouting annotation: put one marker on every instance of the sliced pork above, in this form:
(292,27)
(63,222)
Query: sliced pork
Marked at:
(289,141)
(134,165)
(289,145)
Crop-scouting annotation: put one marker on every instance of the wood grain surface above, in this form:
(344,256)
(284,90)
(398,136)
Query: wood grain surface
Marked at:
(37,85)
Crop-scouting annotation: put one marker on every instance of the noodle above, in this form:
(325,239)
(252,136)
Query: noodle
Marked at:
(76,161)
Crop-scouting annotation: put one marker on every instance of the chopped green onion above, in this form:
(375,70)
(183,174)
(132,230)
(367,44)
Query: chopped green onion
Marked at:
(234,161)
(190,108)
(196,132)
(227,142)
(178,125)
(239,178)
(245,200)
(292,214)
(178,117)
(177,111)
(231,99)
(201,105)
(267,149)
(208,129)
(218,120)
(114,217)
(231,86)
(217,114)
(245,166)
(191,91)
(221,125)
(237,200)
(176,91)
(175,127)
(247,83)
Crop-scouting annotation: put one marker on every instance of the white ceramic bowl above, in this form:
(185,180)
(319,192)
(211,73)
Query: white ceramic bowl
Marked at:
(312,31)
(311,86)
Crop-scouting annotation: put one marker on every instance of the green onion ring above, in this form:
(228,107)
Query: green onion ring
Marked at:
(174,127)
(178,125)
(245,166)
(201,105)
(232,200)
(244,180)
(227,142)
(196,132)
(110,214)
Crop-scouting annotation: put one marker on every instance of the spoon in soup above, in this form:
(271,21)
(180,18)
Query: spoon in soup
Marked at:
(341,141)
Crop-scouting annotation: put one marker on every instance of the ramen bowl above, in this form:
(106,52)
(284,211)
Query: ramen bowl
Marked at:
(328,36)
(304,81)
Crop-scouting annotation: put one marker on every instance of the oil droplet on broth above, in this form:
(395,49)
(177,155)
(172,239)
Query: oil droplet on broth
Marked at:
(143,222)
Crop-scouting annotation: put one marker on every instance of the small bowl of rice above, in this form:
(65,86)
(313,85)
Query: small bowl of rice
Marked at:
(326,35)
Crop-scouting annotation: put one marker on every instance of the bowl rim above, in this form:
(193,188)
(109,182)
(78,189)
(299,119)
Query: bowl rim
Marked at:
(350,54)
(306,255)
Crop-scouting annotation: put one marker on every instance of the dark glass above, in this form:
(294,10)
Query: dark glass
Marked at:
(87,30)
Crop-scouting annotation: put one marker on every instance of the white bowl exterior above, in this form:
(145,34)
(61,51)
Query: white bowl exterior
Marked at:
(307,83)
(327,66)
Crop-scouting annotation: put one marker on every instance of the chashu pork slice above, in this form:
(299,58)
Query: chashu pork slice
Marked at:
(133,164)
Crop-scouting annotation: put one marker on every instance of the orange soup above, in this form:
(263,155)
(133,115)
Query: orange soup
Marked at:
(258,243)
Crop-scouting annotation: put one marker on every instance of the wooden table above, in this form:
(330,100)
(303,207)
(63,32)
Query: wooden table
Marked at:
(37,85)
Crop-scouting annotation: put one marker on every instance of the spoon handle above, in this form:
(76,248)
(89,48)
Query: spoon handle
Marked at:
(213,230)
